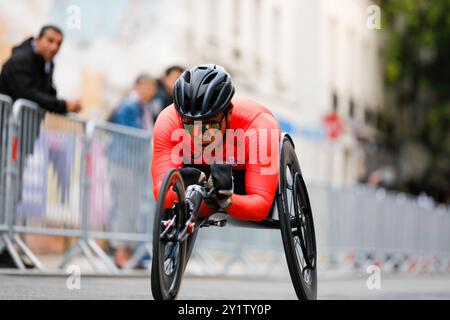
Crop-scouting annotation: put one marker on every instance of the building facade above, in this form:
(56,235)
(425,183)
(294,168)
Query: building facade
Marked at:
(304,59)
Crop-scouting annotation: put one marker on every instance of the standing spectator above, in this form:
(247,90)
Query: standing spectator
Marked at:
(28,73)
(166,84)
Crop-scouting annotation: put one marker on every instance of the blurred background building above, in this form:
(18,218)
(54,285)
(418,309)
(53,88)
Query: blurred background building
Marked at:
(305,60)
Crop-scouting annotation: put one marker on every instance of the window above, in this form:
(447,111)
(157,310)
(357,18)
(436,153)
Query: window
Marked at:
(236,21)
(212,24)
(276,45)
(256,35)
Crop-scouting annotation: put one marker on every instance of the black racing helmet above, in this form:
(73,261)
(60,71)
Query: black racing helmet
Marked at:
(203,91)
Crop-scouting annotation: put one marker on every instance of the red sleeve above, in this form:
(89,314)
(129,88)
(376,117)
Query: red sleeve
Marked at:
(166,124)
(261,177)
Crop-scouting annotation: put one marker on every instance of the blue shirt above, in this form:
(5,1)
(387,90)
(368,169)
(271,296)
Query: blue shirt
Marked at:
(129,113)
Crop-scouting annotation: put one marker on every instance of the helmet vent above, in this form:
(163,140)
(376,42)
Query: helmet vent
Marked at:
(209,78)
(215,94)
(187,77)
(200,103)
(187,100)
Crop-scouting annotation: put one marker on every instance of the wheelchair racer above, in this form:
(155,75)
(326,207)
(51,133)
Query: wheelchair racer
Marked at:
(233,141)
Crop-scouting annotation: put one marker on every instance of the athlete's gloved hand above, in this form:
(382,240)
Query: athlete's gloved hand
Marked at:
(221,179)
(192,176)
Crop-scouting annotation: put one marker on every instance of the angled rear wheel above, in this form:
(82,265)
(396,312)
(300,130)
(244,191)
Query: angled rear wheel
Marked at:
(296,223)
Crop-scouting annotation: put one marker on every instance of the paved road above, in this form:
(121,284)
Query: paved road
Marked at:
(95,287)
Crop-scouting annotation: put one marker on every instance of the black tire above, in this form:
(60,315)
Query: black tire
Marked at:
(296,223)
(166,282)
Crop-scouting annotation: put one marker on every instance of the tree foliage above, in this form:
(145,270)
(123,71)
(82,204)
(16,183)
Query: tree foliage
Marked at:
(415,122)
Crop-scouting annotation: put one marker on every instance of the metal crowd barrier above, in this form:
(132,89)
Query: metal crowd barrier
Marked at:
(20,129)
(120,198)
(5,112)
(376,225)
(76,179)
(43,165)
(49,163)
(355,227)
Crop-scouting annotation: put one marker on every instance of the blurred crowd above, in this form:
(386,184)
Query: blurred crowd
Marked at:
(148,97)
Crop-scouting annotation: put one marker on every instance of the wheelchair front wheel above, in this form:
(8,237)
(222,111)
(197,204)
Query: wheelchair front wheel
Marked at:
(169,255)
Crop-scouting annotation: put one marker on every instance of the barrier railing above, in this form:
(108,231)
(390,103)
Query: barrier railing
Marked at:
(49,166)
(71,178)
(120,195)
(5,112)
(118,189)
(355,227)
(14,171)
(381,225)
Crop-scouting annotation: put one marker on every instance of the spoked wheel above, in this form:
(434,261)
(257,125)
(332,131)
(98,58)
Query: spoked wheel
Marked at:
(190,246)
(169,255)
(297,226)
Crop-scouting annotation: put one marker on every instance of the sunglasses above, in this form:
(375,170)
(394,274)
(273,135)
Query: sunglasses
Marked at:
(216,125)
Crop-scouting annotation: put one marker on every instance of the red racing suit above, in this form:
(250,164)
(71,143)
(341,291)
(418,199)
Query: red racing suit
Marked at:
(252,151)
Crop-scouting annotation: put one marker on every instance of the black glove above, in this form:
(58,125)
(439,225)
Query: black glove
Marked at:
(192,176)
(221,179)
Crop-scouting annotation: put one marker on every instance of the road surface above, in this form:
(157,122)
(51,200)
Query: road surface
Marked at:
(16,286)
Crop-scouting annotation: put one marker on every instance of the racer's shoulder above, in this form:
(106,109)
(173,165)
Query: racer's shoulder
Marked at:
(248,106)
(248,113)
(166,123)
(168,117)
(169,111)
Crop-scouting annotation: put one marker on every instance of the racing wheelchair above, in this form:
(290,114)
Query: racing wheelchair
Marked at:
(175,229)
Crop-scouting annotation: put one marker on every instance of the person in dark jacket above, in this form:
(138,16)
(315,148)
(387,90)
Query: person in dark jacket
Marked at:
(166,84)
(28,73)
